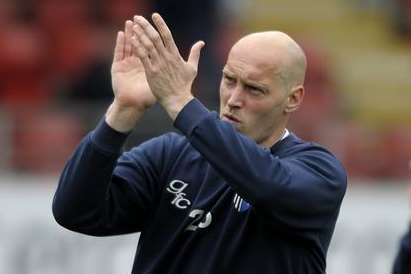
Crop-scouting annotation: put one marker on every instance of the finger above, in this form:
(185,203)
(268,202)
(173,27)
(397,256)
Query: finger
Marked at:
(146,43)
(195,52)
(128,34)
(141,53)
(151,33)
(119,48)
(134,23)
(165,33)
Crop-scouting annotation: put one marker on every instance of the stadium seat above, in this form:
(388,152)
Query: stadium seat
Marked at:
(43,140)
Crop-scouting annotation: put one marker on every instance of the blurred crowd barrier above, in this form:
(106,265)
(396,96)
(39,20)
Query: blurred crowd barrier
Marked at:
(55,60)
(367,234)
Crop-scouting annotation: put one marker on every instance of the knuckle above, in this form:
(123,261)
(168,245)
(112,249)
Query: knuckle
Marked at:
(155,70)
(142,23)
(135,42)
(169,37)
(142,53)
(172,58)
(156,38)
(150,47)
(169,57)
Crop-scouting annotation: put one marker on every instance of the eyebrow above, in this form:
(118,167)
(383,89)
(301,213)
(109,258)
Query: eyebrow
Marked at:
(262,86)
(227,71)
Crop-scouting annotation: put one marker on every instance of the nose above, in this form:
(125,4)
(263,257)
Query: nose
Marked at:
(235,99)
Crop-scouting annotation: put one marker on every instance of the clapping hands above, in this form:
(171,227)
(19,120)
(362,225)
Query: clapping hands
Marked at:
(147,67)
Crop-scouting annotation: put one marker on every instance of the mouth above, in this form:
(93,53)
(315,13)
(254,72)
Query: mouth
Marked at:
(230,118)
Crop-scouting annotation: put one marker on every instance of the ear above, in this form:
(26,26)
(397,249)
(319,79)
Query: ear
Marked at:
(295,98)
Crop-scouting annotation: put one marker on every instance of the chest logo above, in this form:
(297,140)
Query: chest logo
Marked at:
(240,204)
(176,187)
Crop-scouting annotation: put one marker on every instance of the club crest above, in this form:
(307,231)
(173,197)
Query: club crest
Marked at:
(240,204)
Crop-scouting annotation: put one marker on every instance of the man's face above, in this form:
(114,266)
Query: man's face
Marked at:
(252,95)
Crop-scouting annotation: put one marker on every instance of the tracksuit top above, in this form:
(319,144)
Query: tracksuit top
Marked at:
(209,200)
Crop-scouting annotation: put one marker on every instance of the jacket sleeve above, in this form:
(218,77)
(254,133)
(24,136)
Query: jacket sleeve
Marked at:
(101,194)
(297,191)
(402,263)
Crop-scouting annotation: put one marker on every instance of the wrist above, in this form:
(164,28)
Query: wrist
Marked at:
(173,105)
(123,119)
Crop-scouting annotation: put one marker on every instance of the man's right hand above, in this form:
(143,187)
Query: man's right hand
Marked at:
(132,94)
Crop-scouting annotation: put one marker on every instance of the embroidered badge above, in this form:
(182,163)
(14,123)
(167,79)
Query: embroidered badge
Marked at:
(240,204)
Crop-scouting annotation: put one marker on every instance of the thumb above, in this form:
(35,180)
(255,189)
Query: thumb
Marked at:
(194,56)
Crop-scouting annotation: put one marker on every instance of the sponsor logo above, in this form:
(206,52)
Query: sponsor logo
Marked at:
(240,204)
(176,187)
(198,217)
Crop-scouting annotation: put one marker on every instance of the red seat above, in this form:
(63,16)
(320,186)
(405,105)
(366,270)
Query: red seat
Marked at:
(25,65)
(43,140)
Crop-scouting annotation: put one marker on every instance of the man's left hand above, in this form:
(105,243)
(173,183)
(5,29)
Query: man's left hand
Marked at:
(169,76)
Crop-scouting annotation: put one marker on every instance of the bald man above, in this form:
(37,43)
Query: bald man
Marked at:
(232,193)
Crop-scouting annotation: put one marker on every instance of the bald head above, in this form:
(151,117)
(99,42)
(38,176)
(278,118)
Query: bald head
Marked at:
(277,51)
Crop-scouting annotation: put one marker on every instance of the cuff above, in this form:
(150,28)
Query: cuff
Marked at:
(189,117)
(108,139)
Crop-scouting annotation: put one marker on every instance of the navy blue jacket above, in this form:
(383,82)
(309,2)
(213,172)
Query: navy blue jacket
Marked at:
(402,263)
(208,201)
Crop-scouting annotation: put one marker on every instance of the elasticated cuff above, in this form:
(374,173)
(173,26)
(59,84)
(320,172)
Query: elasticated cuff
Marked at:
(189,117)
(108,139)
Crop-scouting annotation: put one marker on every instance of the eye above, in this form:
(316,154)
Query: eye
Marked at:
(254,90)
(228,79)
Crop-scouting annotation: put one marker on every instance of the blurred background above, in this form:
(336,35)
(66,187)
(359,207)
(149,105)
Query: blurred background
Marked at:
(55,86)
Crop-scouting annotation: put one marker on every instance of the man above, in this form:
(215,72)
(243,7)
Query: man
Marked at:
(235,193)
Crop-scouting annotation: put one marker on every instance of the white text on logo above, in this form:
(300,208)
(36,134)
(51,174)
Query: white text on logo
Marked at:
(176,187)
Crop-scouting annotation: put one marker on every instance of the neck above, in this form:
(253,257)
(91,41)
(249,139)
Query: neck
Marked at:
(274,138)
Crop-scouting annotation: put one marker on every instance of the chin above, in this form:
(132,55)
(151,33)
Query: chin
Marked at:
(238,128)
